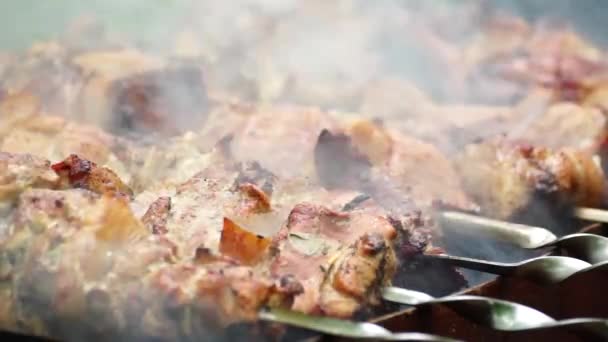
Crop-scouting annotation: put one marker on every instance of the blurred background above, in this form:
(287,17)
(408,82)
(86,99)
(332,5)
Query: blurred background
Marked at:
(25,21)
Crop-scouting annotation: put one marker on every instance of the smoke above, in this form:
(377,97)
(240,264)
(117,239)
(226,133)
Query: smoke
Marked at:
(344,55)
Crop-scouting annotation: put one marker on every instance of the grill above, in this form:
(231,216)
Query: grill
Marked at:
(580,296)
(134,99)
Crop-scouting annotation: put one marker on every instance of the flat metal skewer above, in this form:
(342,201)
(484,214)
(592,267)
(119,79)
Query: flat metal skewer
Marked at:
(588,247)
(591,214)
(344,328)
(494,313)
(542,270)
(499,314)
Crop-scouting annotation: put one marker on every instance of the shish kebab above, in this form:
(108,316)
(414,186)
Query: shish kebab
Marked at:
(152,220)
(390,166)
(175,280)
(559,114)
(103,250)
(299,240)
(89,176)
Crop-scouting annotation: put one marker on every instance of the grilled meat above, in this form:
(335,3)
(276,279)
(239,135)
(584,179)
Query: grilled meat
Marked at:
(393,168)
(207,209)
(74,256)
(115,89)
(218,230)
(81,173)
(98,260)
(349,256)
(509,178)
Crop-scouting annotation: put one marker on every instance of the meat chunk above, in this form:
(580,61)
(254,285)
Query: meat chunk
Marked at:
(59,268)
(396,170)
(281,140)
(81,173)
(559,60)
(24,128)
(333,245)
(117,89)
(357,275)
(18,172)
(507,178)
(157,215)
(170,100)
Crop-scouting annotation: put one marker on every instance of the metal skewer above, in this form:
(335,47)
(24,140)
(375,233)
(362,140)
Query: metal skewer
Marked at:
(543,270)
(588,247)
(519,234)
(499,314)
(591,214)
(496,314)
(344,328)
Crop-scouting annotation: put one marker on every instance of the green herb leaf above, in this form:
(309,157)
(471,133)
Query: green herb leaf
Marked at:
(308,244)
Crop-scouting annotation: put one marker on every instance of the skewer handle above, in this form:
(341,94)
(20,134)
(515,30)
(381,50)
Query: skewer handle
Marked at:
(405,296)
(591,214)
(518,234)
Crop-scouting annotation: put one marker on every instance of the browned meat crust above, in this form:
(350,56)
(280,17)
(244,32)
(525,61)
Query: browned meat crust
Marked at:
(116,88)
(508,177)
(81,173)
(155,219)
(334,245)
(189,251)
(73,255)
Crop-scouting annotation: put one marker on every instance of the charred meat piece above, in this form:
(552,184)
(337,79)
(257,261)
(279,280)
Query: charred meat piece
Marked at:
(130,90)
(117,89)
(397,171)
(157,215)
(357,275)
(170,100)
(59,271)
(338,163)
(509,178)
(242,245)
(81,173)
(341,259)
(25,128)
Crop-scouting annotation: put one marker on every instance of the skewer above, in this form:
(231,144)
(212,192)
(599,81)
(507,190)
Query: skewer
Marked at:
(344,328)
(543,270)
(500,315)
(588,247)
(591,214)
(521,235)
(496,314)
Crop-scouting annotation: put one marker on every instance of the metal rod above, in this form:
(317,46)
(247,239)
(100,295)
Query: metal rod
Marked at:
(519,234)
(591,214)
(344,328)
(499,314)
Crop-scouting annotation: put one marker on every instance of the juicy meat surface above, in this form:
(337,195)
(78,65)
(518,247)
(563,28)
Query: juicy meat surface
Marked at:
(349,257)
(81,173)
(73,252)
(117,89)
(508,177)
(396,170)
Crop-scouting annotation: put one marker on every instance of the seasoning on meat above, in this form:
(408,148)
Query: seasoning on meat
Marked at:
(82,173)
